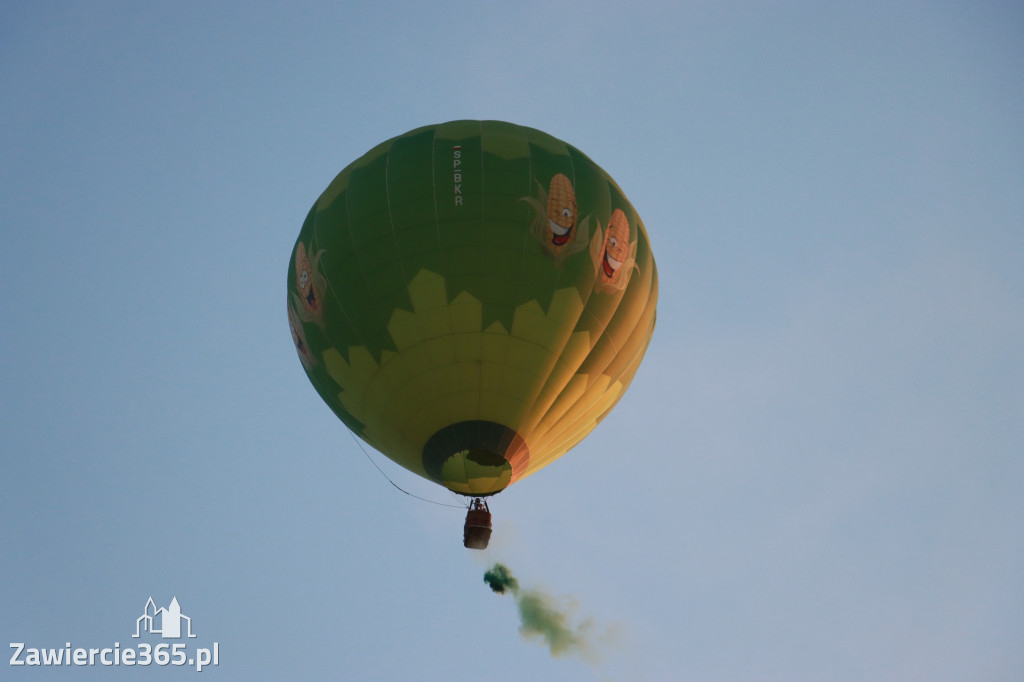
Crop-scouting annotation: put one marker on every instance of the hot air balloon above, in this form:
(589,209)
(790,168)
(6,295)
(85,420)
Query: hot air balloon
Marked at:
(471,299)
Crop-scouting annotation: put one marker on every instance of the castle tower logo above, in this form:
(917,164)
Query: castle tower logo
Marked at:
(163,622)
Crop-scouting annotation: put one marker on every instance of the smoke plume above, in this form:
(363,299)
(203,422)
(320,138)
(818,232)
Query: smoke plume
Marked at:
(540,616)
(500,579)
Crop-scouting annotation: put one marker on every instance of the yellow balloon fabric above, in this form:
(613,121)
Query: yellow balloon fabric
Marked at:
(471,299)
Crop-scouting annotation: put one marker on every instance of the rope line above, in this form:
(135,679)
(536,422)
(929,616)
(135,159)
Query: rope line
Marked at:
(375,466)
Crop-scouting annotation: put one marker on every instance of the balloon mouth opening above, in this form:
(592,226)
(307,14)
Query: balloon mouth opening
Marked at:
(476,472)
(476,458)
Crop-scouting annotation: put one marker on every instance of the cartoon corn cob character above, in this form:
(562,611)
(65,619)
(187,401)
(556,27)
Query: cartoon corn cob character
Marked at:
(561,210)
(304,278)
(616,258)
(616,245)
(556,222)
(311,286)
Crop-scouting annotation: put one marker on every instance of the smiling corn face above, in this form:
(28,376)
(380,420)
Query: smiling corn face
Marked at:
(304,278)
(616,247)
(562,212)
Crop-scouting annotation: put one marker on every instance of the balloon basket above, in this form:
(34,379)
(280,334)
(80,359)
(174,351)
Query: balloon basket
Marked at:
(477,531)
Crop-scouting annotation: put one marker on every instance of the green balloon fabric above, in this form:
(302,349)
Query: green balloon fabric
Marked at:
(471,299)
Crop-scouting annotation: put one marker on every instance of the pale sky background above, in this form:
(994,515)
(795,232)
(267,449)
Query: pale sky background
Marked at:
(817,473)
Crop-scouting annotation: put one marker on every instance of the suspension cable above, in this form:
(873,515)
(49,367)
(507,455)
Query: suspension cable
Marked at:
(441,504)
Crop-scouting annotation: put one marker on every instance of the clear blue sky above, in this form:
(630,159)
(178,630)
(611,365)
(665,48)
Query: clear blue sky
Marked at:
(835,197)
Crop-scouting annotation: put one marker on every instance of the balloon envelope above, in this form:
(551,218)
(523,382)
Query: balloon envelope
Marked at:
(471,299)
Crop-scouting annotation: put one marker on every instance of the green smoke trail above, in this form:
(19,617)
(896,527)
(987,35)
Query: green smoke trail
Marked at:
(540,619)
(540,616)
(500,579)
